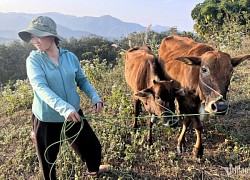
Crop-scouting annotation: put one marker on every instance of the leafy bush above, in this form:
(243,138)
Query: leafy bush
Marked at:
(16,97)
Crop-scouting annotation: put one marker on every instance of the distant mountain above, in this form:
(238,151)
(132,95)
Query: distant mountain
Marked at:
(158,28)
(72,26)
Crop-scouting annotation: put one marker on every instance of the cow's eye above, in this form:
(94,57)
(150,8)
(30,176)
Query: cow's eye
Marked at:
(231,73)
(203,70)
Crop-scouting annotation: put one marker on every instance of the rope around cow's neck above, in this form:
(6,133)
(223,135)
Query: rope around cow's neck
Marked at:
(220,95)
(172,115)
(167,110)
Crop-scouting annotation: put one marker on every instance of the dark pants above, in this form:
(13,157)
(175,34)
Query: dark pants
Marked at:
(86,145)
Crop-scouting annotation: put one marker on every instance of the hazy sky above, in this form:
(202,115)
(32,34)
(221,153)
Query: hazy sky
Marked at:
(156,12)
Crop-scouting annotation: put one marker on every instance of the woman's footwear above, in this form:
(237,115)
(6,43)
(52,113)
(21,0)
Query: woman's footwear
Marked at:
(102,169)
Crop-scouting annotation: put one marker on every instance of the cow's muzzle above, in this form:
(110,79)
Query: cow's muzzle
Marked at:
(167,121)
(217,107)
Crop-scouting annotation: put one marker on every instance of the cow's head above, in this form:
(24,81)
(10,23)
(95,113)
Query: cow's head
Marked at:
(215,72)
(158,100)
(186,98)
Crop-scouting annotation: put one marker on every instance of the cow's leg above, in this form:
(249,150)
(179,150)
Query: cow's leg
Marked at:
(181,140)
(150,125)
(198,148)
(136,112)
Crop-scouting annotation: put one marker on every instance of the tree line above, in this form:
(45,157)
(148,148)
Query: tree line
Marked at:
(222,22)
(13,55)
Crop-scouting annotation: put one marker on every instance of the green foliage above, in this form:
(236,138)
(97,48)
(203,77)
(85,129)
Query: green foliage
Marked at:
(12,61)
(116,94)
(16,97)
(150,38)
(92,47)
(18,159)
(223,23)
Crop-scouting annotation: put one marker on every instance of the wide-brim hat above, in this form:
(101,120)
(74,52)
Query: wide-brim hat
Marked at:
(41,26)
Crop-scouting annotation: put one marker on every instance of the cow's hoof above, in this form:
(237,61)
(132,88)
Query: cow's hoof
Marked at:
(135,129)
(180,149)
(198,152)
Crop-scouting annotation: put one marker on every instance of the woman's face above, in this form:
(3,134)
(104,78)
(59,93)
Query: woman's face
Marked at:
(42,43)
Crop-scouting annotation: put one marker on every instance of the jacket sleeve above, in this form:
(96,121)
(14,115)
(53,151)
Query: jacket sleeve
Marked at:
(39,84)
(84,84)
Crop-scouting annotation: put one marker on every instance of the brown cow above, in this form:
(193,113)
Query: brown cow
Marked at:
(145,77)
(205,75)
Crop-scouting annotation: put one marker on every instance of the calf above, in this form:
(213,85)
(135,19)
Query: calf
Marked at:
(144,75)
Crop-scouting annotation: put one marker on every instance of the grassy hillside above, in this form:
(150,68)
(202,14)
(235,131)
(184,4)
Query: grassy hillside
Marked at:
(226,138)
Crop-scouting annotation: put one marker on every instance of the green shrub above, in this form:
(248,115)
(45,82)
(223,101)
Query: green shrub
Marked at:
(16,97)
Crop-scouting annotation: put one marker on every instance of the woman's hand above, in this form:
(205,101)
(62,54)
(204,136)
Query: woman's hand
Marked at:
(74,116)
(98,107)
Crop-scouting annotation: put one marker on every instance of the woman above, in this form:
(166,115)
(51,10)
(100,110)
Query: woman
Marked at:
(54,73)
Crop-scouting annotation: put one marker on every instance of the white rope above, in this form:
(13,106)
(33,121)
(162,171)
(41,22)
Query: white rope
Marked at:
(220,95)
(167,110)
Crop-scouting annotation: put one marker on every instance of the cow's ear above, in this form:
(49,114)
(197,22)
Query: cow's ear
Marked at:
(144,92)
(190,60)
(235,61)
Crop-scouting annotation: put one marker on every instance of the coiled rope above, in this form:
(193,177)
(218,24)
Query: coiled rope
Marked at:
(67,125)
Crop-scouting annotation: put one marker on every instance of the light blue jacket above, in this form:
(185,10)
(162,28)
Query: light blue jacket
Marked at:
(55,86)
